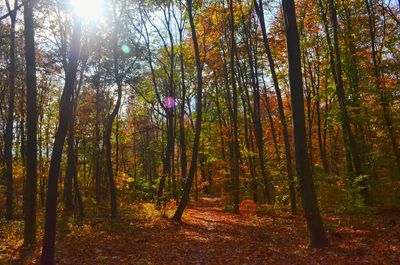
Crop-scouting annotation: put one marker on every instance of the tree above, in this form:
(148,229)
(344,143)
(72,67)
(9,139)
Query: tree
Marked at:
(260,13)
(111,117)
(8,136)
(347,132)
(317,237)
(47,257)
(236,148)
(30,201)
(378,79)
(193,165)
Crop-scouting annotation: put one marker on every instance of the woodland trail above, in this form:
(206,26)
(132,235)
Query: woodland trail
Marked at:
(210,235)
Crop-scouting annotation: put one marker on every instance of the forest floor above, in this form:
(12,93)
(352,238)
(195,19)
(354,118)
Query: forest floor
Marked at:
(210,235)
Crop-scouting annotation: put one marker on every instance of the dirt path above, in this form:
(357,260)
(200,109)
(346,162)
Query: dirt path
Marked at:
(208,235)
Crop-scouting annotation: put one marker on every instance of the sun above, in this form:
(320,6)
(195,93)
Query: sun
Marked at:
(88,9)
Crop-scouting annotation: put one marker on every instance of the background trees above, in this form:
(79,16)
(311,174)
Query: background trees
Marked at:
(167,100)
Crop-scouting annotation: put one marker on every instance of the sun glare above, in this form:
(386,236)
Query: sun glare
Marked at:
(88,9)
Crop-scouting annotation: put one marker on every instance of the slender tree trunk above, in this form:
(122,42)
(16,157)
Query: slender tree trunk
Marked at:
(192,170)
(309,117)
(332,65)
(78,194)
(182,142)
(228,96)
(236,147)
(258,131)
(222,124)
(41,159)
(110,121)
(8,137)
(22,129)
(70,167)
(97,150)
(383,97)
(47,257)
(249,147)
(173,164)
(30,201)
(355,88)
(289,168)
(169,102)
(182,145)
(271,123)
(71,157)
(319,133)
(117,124)
(168,153)
(309,199)
(343,109)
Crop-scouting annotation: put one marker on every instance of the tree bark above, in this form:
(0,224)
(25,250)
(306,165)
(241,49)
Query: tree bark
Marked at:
(70,167)
(8,136)
(236,147)
(110,121)
(71,157)
(343,109)
(317,237)
(289,168)
(30,202)
(377,75)
(97,149)
(192,170)
(182,142)
(47,257)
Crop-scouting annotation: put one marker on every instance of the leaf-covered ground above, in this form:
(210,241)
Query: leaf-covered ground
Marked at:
(209,235)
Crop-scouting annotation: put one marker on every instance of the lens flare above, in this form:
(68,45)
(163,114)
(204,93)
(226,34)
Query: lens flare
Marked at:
(169,102)
(125,49)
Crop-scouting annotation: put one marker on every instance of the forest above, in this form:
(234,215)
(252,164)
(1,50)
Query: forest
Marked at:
(199,132)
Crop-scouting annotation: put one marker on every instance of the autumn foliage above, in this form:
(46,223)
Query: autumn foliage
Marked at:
(199,132)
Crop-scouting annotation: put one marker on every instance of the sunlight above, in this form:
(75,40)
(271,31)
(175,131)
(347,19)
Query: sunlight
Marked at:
(88,9)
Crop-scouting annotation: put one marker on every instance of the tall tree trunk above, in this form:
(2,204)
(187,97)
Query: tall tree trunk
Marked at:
(342,102)
(117,162)
(71,157)
(248,139)
(271,121)
(332,66)
(70,167)
(258,130)
(168,152)
(289,168)
(78,195)
(236,147)
(182,142)
(222,124)
(355,88)
(248,114)
(97,149)
(309,199)
(40,148)
(377,75)
(193,165)
(228,95)
(169,108)
(8,137)
(110,121)
(319,133)
(309,114)
(30,202)
(47,257)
